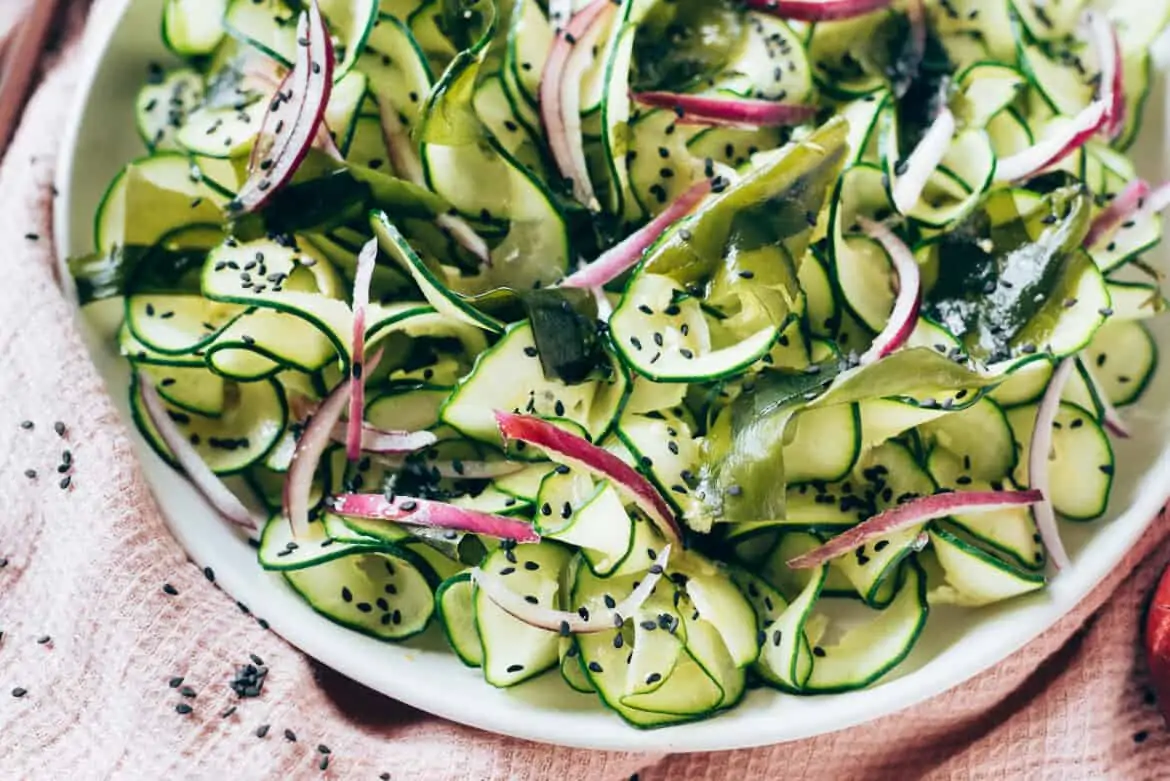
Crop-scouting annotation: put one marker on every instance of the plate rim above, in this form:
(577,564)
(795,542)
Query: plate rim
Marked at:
(722,733)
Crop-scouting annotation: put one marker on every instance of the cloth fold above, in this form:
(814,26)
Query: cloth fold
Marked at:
(102,614)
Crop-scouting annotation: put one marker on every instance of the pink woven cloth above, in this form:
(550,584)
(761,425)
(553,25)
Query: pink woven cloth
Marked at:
(93,640)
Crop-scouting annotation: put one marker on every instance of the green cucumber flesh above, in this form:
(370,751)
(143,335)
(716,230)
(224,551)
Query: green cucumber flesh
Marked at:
(1080,475)
(453,600)
(378,593)
(514,651)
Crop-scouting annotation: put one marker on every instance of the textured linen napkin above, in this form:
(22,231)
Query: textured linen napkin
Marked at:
(102,614)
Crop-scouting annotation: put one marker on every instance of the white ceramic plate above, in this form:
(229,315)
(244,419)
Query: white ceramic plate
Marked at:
(955,646)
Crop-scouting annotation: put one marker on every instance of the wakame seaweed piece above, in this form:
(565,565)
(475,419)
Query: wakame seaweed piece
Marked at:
(776,205)
(1008,277)
(564,324)
(680,44)
(742,473)
(102,275)
(478,28)
(714,294)
(173,265)
(564,328)
(921,95)
(345,195)
(564,320)
(917,375)
(889,51)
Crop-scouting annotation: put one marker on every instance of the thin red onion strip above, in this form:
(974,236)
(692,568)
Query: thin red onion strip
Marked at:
(207,482)
(914,513)
(1107,47)
(293,118)
(573,450)
(582,622)
(298,483)
(1038,457)
(381,442)
(366,261)
(556,93)
(1158,199)
(728,112)
(434,515)
(817,10)
(1052,150)
(904,317)
(580,60)
(405,161)
(621,258)
(923,161)
(1122,208)
(263,73)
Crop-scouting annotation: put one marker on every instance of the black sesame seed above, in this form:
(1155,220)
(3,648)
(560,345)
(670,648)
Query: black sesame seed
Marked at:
(170,590)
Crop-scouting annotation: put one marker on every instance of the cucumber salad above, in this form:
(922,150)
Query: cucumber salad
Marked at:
(675,347)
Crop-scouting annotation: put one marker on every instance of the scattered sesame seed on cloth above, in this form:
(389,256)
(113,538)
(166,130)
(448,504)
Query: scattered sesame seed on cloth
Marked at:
(105,698)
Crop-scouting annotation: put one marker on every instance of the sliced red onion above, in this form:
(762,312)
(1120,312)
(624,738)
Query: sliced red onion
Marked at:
(905,315)
(582,622)
(298,483)
(325,142)
(1122,208)
(434,515)
(817,10)
(914,513)
(465,236)
(572,450)
(923,161)
(1039,455)
(1110,414)
(366,261)
(625,255)
(295,114)
(217,494)
(728,112)
(404,157)
(265,74)
(604,307)
(1158,199)
(405,161)
(560,95)
(1052,150)
(383,442)
(1103,37)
